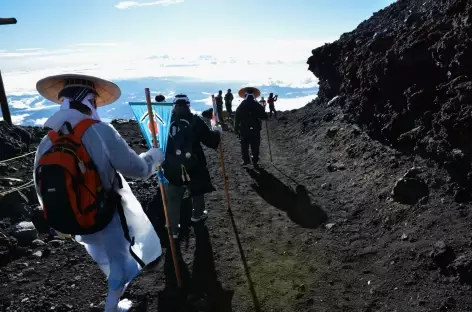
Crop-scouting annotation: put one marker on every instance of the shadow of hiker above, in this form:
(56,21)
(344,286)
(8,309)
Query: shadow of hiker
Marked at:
(297,204)
(204,282)
(202,291)
(173,299)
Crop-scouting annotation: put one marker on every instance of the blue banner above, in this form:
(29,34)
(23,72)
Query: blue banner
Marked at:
(162,114)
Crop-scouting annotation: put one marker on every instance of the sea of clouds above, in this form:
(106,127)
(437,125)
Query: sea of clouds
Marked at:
(196,69)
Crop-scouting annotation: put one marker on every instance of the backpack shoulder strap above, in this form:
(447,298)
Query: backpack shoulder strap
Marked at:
(53,135)
(82,126)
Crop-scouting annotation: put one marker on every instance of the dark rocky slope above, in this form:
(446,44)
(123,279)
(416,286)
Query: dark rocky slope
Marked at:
(405,76)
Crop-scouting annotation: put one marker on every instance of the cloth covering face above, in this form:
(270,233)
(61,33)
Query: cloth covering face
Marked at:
(109,248)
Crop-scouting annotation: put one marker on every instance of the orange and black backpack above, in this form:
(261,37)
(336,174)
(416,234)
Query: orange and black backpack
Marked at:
(74,200)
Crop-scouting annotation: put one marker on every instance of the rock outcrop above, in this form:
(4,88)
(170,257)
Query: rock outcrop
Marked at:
(405,75)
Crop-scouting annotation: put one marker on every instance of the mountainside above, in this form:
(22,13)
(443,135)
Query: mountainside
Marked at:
(405,76)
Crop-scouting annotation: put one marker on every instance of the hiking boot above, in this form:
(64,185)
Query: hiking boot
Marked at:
(200,219)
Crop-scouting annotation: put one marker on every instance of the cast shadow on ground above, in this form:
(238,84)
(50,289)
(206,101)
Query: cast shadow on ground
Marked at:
(297,204)
(202,291)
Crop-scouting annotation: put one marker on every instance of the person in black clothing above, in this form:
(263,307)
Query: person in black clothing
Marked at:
(219,107)
(207,115)
(229,102)
(247,124)
(185,165)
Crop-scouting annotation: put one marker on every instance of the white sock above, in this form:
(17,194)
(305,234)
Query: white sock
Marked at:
(124,305)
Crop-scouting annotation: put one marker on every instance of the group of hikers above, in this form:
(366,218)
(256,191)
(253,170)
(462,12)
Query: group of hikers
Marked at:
(80,166)
(228,101)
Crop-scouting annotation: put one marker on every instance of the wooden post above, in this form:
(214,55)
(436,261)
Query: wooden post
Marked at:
(7,21)
(4,102)
(3,96)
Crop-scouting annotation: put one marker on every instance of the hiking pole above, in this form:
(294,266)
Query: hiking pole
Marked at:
(268,140)
(235,230)
(223,169)
(163,192)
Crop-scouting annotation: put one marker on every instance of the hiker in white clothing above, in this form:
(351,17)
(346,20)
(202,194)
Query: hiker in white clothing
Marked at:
(78,173)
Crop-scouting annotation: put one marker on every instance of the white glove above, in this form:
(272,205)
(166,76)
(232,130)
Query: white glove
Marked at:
(157,155)
(154,156)
(217,128)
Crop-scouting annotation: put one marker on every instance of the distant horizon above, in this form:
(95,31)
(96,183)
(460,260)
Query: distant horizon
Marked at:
(206,45)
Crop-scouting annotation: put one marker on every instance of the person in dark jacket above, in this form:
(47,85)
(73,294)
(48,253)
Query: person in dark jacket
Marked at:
(247,124)
(207,115)
(185,165)
(271,100)
(219,107)
(229,102)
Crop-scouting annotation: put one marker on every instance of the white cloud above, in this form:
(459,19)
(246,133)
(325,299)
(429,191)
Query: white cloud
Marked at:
(23,53)
(294,103)
(29,49)
(18,119)
(40,121)
(99,44)
(129,4)
(194,60)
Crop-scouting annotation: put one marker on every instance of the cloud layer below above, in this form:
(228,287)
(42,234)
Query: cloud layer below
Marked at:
(196,68)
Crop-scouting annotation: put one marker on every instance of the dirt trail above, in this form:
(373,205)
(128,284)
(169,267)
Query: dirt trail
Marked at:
(267,210)
(318,228)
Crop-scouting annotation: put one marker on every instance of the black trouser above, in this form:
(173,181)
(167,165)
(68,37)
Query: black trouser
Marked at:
(219,111)
(229,109)
(272,109)
(252,139)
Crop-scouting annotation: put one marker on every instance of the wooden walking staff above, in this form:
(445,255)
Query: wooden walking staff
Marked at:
(3,96)
(222,158)
(163,193)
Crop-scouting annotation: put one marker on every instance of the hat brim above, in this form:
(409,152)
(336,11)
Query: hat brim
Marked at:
(49,88)
(256,93)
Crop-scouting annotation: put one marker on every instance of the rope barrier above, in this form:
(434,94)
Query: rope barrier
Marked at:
(21,156)
(19,188)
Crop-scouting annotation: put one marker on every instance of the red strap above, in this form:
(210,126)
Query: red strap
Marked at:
(82,126)
(53,135)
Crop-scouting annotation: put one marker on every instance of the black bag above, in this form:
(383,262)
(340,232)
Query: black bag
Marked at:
(181,161)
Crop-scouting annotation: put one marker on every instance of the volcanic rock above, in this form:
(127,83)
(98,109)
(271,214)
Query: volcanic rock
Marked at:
(25,233)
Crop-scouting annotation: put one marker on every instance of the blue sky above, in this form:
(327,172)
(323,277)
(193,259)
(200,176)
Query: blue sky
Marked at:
(59,23)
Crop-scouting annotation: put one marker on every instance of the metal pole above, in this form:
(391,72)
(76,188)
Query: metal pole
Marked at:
(4,103)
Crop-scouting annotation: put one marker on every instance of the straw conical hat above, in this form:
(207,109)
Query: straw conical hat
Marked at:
(107,91)
(256,92)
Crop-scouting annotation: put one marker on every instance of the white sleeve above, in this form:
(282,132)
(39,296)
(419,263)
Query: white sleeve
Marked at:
(121,156)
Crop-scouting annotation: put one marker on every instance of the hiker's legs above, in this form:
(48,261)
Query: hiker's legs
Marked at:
(174,196)
(198,206)
(255,146)
(272,110)
(110,250)
(220,114)
(229,108)
(245,140)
